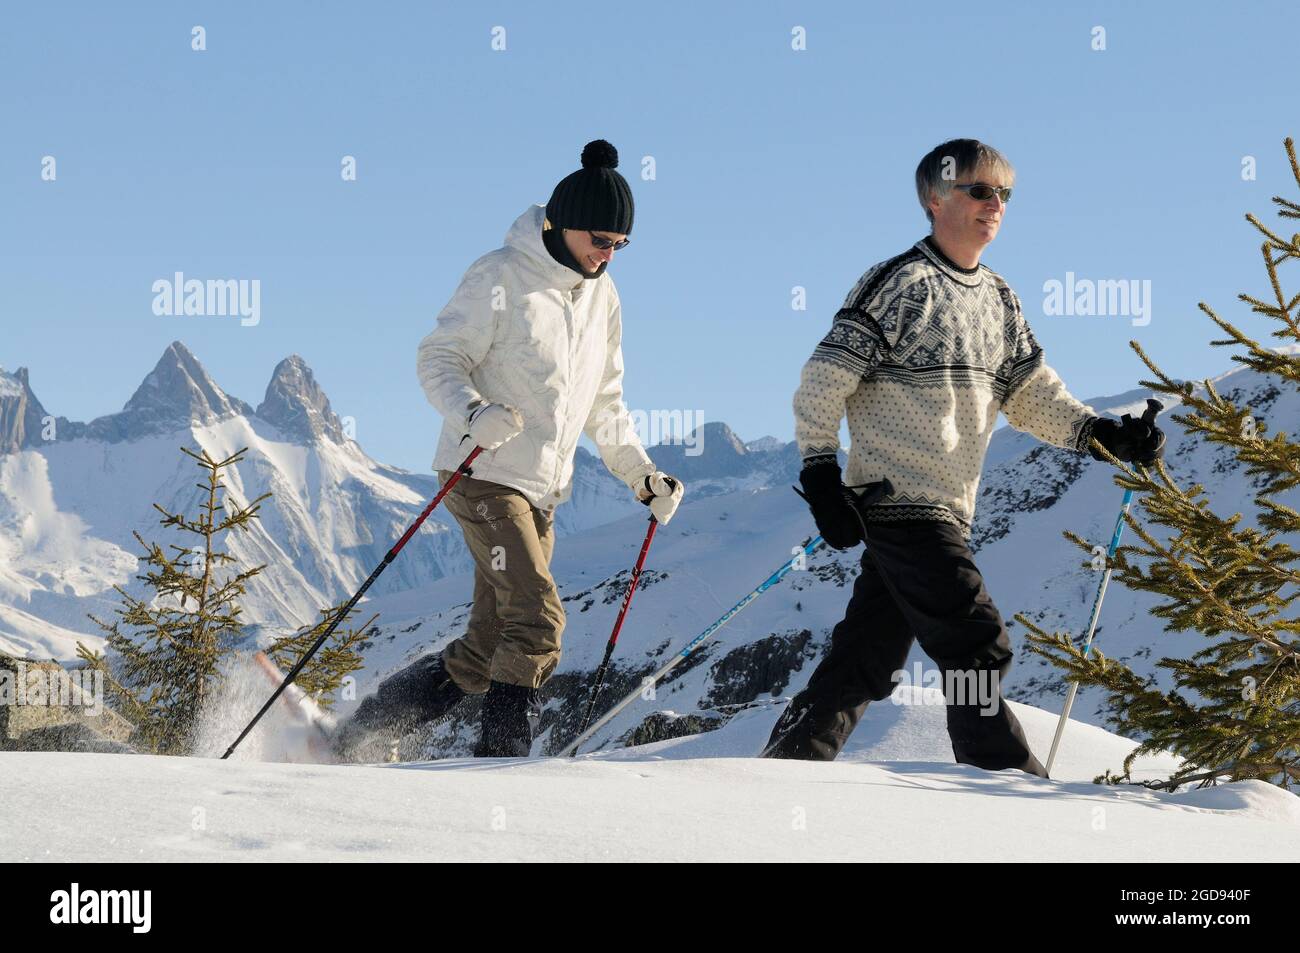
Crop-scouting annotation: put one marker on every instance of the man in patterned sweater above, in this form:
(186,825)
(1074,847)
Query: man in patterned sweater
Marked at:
(928,348)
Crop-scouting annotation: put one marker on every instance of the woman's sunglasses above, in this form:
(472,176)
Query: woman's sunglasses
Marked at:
(982,193)
(603,243)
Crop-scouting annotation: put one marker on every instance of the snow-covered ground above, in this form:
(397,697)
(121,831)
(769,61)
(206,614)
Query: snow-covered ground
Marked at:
(893,795)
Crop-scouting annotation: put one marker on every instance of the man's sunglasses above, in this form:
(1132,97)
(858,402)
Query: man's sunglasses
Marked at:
(603,243)
(982,193)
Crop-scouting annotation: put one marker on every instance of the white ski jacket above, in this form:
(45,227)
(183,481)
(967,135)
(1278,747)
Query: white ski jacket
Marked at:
(526,331)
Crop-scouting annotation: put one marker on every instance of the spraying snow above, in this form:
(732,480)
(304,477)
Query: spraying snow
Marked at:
(283,734)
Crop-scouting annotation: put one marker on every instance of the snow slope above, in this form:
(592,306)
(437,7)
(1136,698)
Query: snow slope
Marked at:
(893,796)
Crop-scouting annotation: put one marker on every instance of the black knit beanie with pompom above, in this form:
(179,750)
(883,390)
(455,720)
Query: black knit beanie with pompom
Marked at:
(595,198)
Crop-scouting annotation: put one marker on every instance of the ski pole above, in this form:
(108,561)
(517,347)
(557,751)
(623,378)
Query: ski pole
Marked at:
(461,470)
(1092,626)
(618,624)
(1153,408)
(806,550)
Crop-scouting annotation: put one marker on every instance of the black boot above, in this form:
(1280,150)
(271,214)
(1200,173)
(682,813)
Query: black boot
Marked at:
(419,693)
(808,730)
(509,723)
(993,742)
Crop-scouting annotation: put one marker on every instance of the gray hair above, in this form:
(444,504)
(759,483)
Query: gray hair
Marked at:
(945,164)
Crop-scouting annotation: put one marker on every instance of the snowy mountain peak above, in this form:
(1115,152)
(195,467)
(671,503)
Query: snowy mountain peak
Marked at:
(21,414)
(178,391)
(713,451)
(296,404)
(716,435)
(11,385)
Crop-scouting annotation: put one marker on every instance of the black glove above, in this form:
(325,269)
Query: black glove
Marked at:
(833,504)
(1132,441)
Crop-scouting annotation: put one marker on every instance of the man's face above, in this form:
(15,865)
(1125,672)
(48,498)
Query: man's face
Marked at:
(587,254)
(967,220)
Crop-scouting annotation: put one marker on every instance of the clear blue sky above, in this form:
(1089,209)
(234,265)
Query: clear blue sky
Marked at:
(775,168)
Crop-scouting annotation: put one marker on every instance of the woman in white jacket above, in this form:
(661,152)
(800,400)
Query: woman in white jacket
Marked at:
(524,360)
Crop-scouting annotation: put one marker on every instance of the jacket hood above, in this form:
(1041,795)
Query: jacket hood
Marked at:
(525,237)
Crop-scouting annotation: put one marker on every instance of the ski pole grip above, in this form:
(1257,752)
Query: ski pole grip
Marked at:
(1153,407)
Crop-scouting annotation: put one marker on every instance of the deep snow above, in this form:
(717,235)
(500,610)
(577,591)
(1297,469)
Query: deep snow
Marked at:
(894,795)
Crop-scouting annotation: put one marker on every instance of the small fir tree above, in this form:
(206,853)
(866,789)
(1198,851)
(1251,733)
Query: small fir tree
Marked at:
(1234,708)
(170,644)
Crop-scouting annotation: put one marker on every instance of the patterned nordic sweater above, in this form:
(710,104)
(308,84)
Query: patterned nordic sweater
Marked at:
(922,357)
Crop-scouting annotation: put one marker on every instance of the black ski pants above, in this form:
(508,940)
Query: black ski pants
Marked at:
(918,580)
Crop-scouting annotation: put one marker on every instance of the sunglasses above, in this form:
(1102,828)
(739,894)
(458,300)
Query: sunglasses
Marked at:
(603,243)
(982,193)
